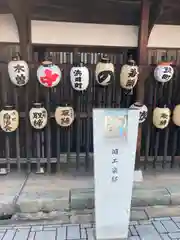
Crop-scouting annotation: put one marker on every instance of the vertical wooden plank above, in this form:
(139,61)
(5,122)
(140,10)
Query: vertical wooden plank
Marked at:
(5,102)
(88,121)
(158,100)
(78,119)
(78,129)
(58,147)
(48,130)
(117,90)
(167,130)
(142,61)
(148,124)
(27,127)
(58,142)
(23,22)
(17,131)
(38,152)
(174,145)
(68,96)
(156,147)
(175,129)
(37,135)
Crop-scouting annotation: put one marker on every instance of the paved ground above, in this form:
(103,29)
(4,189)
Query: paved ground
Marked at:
(155,229)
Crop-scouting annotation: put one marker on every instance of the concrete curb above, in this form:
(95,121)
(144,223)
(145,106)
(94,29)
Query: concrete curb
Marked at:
(77,205)
(83,199)
(8,202)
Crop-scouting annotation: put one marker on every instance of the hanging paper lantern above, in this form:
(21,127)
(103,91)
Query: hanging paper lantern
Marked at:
(64,116)
(143,111)
(129,75)
(48,74)
(9,119)
(161,117)
(38,116)
(176,115)
(18,71)
(164,72)
(104,71)
(79,76)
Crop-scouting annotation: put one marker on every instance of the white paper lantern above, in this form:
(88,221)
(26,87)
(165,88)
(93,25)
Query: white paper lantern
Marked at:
(48,74)
(9,119)
(143,111)
(176,115)
(104,71)
(64,116)
(79,76)
(164,72)
(129,75)
(38,116)
(161,117)
(18,71)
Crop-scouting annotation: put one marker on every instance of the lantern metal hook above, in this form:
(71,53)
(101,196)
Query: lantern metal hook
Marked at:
(16,56)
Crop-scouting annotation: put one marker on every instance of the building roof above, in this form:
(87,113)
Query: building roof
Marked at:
(124,12)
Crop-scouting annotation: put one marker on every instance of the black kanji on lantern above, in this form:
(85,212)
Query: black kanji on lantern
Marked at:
(37,115)
(65,120)
(20,79)
(164,116)
(167,70)
(38,122)
(130,83)
(18,68)
(166,77)
(163,122)
(143,115)
(7,122)
(77,73)
(65,113)
(132,73)
(78,85)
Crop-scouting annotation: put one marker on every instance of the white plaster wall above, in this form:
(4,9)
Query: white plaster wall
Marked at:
(83,34)
(8,29)
(46,32)
(165,36)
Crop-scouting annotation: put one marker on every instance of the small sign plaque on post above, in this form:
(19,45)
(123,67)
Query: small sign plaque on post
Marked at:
(115,137)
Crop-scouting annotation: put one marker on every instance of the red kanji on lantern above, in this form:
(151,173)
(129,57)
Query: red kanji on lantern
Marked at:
(49,77)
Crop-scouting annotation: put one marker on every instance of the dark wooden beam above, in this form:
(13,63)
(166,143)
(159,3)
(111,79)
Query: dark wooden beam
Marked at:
(21,12)
(106,15)
(143,65)
(172,3)
(156,10)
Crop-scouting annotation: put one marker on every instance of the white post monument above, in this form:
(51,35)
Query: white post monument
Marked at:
(115,136)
